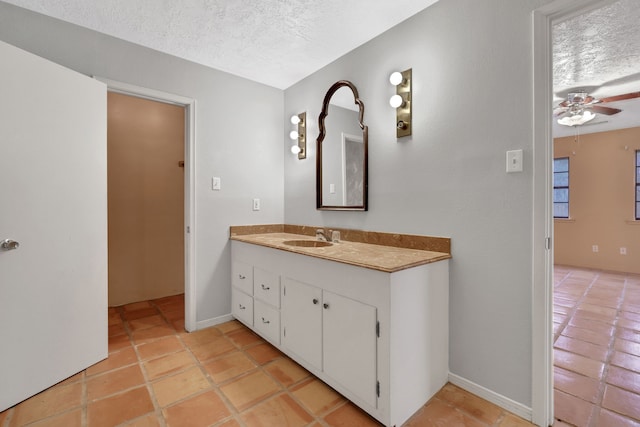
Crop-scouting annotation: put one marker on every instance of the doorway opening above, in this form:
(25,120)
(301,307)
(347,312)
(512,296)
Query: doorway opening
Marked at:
(145,180)
(162,261)
(543,410)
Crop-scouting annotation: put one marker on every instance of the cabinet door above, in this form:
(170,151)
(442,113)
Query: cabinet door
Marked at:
(266,286)
(267,321)
(242,307)
(350,345)
(242,277)
(302,320)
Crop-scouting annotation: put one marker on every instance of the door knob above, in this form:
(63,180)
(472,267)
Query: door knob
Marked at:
(8,244)
(325,305)
(315,300)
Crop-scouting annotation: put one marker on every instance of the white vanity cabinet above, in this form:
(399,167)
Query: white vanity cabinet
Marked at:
(379,338)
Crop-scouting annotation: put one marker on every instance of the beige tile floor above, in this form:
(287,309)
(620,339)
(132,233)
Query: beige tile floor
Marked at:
(596,348)
(223,376)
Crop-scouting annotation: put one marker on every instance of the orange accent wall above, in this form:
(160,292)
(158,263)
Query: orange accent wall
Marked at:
(145,142)
(601,202)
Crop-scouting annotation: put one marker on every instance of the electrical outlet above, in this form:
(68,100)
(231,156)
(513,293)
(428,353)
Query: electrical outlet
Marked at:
(594,248)
(256,204)
(623,251)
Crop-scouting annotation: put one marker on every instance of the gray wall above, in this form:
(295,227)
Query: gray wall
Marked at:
(472,69)
(472,74)
(238,133)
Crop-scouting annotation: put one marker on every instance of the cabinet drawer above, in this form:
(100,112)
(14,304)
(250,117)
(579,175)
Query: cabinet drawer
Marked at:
(242,306)
(242,277)
(266,286)
(267,321)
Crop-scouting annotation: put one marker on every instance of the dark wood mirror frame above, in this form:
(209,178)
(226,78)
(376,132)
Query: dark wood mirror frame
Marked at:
(365,141)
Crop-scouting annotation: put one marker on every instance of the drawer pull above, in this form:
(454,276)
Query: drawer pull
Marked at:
(325,305)
(315,300)
(242,277)
(242,307)
(264,288)
(265,321)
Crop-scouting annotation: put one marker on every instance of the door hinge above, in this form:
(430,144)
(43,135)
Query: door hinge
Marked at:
(284,332)
(547,242)
(188,229)
(284,291)
(378,388)
(378,329)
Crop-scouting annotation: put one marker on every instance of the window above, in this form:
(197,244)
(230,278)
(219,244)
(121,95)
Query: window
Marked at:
(561,187)
(637,184)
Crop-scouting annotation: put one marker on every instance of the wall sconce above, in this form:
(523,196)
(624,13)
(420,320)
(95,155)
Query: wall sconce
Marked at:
(299,135)
(401,101)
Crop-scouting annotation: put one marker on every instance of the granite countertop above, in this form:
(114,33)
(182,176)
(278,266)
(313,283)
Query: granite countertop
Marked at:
(374,256)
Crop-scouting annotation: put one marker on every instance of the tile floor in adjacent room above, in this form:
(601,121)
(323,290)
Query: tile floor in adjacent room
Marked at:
(223,376)
(596,348)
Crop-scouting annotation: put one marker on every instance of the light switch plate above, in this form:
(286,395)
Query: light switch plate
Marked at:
(514,161)
(215,183)
(256,204)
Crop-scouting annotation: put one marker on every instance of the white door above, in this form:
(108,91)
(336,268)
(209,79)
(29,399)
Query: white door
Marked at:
(302,321)
(53,202)
(349,345)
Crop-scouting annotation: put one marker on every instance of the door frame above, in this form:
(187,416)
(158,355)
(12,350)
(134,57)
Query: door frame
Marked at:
(189,105)
(542,275)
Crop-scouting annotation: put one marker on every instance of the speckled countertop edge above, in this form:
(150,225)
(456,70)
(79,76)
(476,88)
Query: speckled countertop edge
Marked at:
(405,251)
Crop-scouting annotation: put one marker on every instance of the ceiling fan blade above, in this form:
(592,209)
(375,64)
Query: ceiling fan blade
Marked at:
(604,110)
(563,103)
(621,97)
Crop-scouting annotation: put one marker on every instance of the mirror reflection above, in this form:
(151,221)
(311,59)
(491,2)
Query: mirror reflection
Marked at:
(342,151)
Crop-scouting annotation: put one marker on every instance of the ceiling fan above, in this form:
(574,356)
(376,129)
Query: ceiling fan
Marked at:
(580,107)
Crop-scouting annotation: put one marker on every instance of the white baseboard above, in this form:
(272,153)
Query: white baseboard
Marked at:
(201,324)
(504,402)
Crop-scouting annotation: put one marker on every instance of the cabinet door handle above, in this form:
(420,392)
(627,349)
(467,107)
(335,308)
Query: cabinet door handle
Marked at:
(242,307)
(325,305)
(265,321)
(265,288)
(315,300)
(241,277)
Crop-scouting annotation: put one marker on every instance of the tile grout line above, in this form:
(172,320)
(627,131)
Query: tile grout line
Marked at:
(565,323)
(212,384)
(577,303)
(602,384)
(147,382)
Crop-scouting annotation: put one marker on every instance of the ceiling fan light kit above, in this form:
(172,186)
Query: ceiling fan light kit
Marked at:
(577,119)
(580,107)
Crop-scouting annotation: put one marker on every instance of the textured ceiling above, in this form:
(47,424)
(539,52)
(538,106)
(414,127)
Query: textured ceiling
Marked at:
(600,52)
(275,42)
(279,42)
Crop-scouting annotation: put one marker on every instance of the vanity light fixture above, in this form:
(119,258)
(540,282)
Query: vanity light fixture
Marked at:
(299,135)
(401,101)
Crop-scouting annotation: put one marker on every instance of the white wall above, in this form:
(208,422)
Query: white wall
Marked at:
(472,74)
(238,133)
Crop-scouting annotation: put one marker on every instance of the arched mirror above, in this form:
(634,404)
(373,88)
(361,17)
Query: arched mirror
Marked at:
(341,168)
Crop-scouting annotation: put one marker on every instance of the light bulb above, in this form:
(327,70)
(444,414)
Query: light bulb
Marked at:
(293,134)
(295,119)
(396,101)
(295,149)
(396,78)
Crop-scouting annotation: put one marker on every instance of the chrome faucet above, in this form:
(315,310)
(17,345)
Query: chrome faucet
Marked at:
(321,236)
(328,236)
